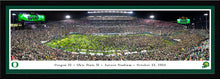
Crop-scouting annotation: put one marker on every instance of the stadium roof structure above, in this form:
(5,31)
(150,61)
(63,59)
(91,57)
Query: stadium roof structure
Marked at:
(111,11)
(109,16)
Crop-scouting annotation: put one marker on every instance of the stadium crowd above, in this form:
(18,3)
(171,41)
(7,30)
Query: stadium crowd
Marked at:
(27,44)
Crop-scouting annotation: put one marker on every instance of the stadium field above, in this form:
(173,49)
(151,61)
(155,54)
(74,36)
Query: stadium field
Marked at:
(107,43)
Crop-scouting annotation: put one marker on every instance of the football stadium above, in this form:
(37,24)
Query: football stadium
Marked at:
(107,35)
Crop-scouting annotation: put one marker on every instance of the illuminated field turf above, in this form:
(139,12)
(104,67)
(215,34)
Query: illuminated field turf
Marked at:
(107,43)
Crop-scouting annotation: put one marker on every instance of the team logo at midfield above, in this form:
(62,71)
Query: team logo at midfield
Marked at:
(14,64)
(205,64)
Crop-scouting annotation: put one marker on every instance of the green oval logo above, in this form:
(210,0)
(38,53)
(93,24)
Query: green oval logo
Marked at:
(14,64)
(205,64)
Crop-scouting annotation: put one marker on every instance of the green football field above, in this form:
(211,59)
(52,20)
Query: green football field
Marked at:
(101,44)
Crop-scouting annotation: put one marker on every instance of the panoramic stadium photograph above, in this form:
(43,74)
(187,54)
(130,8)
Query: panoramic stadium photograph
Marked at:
(110,35)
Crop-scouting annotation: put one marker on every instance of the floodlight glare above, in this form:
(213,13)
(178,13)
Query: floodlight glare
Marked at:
(67,16)
(130,12)
(152,16)
(206,14)
(13,14)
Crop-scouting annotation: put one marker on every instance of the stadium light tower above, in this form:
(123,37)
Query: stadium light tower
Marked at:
(67,16)
(152,17)
(13,15)
(206,14)
(131,12)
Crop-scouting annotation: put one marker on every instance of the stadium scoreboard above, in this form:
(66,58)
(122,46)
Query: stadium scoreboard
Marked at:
(29,17)
(183,21)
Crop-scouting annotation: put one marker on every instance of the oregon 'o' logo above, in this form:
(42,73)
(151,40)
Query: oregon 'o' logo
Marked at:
(14,64)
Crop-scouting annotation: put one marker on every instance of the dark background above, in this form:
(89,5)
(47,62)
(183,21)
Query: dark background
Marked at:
(132,76)
(196,17)
(159,15)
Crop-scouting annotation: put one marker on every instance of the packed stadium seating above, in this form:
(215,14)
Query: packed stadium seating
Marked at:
(26,44)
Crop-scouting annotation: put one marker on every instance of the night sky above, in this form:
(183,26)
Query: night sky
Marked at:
(171,15)
(159,15)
